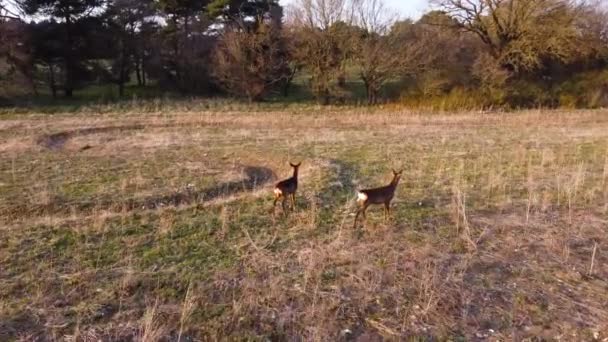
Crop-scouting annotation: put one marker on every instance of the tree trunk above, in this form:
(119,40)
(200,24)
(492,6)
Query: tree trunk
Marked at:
(69,59)
(288,81)
(286,88)
(177,56)
(325,98)
(25,69)
(372,95)
(342,79)
(143,71)
(138,71)
(52,83)
(122,71)
(372,88)
(186,29)
(368,89)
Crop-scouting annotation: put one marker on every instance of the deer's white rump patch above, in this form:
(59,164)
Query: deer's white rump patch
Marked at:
(361,197)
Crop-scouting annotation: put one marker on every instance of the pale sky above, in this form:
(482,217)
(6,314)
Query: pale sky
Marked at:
(409,8)
(406,8)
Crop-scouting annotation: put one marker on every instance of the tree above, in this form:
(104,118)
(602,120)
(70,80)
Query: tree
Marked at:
(7,10)
(376,52)
(345,34)
(48,52)
(290,35)
(244,14)
(16,63)
(147,49)
(593,25)
(251,64)
(437,55)
(183,10)
(126,19)
(186,47)
(319,48)
(68,12)
(251,58)
(520,35)
(321,14)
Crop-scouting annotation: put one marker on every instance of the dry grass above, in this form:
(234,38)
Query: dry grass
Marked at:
(158,226)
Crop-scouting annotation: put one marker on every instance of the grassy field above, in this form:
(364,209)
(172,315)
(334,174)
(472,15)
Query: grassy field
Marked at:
(156,224)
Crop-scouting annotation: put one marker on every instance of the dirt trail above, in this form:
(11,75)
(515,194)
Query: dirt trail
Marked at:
(56,141)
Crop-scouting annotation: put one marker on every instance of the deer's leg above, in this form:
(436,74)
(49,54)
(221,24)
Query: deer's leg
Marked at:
(387,210)
(356,217)
(361,212)
(274,204)
(293,201)
(284,205)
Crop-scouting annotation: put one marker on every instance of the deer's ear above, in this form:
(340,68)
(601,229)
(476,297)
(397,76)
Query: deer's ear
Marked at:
(295,165)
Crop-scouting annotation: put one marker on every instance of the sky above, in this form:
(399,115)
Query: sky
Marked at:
(406,8)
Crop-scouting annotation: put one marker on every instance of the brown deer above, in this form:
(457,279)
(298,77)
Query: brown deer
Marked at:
(286,188)
(383,195)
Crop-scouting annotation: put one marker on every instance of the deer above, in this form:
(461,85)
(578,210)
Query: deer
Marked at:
(382,195)
(287,187)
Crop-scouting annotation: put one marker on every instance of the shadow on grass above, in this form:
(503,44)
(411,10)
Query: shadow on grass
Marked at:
(255,177)
(339,190)
(341,183)
(13,327)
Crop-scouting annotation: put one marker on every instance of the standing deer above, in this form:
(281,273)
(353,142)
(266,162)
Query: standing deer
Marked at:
(383,195)
(286,188)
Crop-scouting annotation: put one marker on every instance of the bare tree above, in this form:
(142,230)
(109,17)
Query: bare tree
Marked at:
(251,64)
(373,15)
(319,46)
(594,28)
(16,63)
(378,55)
(321,14)
(441,55)
(519,34)
(9,9)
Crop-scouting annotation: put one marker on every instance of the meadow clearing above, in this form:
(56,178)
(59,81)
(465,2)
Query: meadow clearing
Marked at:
(156,225)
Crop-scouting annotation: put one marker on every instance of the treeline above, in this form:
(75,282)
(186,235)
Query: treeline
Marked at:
(473,53)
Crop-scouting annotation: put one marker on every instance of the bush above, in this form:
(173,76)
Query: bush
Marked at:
(458,98)
(584,90)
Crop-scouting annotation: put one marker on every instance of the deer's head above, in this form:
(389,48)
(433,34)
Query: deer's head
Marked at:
(396,175)
(295,167)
